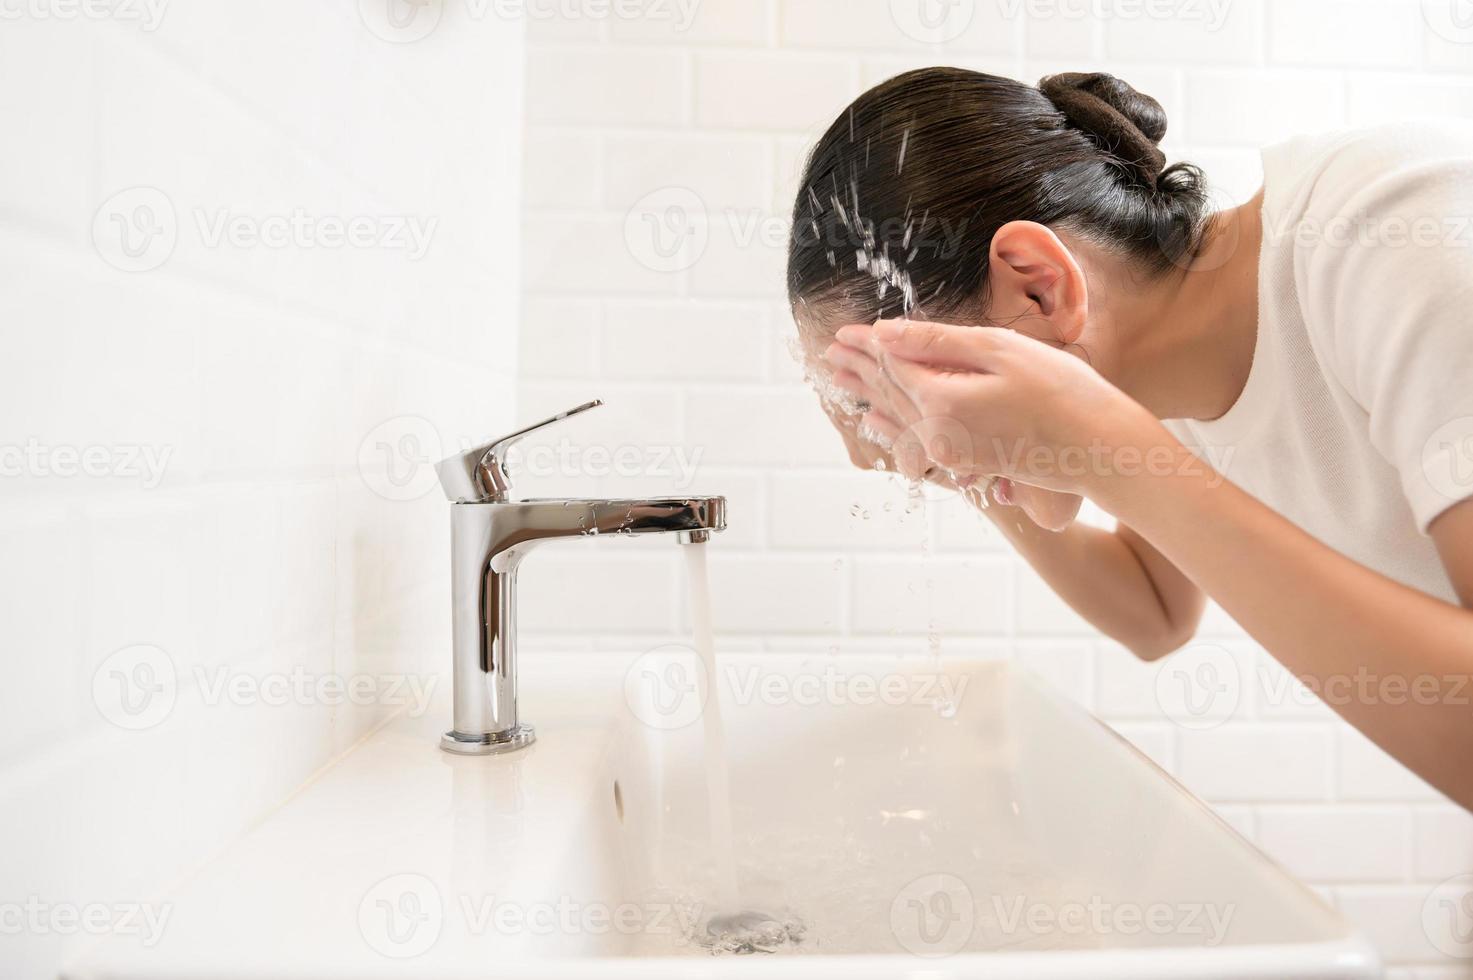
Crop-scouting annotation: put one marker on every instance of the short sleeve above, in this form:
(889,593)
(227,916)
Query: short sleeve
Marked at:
(1384,269)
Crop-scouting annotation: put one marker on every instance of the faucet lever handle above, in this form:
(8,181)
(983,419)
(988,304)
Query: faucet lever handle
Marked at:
(479,475)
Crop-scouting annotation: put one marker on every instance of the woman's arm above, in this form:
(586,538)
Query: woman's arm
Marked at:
(1396,661)
(1400,659)
(1124,587)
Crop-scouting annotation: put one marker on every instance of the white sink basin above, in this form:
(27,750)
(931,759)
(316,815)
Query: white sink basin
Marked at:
(1006,833)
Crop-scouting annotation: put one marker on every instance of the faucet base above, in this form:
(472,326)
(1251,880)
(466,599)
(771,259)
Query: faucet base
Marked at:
(493,743)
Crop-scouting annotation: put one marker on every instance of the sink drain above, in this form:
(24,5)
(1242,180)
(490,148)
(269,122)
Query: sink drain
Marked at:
(751,932)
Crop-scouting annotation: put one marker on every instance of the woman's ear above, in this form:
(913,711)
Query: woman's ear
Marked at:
(1034,283)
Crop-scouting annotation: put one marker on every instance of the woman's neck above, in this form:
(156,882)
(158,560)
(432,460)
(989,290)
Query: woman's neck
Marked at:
(1186,346)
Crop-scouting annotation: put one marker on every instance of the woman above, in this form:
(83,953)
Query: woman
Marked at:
(1314,348)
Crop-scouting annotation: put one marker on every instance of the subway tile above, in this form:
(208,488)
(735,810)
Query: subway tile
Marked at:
(1258,763)
(677,344)
(1359,33)
(1444,842)
(1041,612)
(1338,843)
(687,22)
(936,596)
(727,174)
(1229,33)
(1364,771)
(771,92)
(1377,98)
(559,339)
(845,510)
(605,87)
(596,256)
(763,427)
(1261,108)
(991,27)
(776,594)
(1391,917)
(561,170)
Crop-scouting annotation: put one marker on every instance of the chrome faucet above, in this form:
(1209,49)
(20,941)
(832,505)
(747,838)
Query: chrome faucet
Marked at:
(490,534)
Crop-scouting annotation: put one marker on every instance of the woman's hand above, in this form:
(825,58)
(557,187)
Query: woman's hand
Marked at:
(981,402)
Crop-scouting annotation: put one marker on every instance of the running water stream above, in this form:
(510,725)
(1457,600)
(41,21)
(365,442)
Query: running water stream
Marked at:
(718,779)
(731,927)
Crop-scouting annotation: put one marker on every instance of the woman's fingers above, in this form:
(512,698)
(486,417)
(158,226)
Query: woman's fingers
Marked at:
(877,388)
(941,344)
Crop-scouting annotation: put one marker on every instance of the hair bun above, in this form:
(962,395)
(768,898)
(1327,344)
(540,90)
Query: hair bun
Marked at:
(1123,122)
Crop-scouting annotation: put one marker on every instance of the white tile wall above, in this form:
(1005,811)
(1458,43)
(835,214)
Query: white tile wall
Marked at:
(275,381)
(725,111)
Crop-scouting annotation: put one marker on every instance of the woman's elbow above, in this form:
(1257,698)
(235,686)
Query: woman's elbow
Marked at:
(1162,642)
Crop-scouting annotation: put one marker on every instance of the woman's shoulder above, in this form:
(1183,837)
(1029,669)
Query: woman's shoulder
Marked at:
(1325,174)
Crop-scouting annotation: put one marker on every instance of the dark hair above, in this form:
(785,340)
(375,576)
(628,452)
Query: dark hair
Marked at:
(901,197)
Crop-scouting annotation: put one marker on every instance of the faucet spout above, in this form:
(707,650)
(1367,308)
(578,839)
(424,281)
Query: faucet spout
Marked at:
(489,541)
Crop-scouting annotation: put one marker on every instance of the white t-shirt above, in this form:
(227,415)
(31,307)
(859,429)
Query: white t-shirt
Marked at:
(1356,422)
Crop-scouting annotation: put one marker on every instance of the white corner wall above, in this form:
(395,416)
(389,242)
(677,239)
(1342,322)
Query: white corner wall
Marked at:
(259,269)
(633,120)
